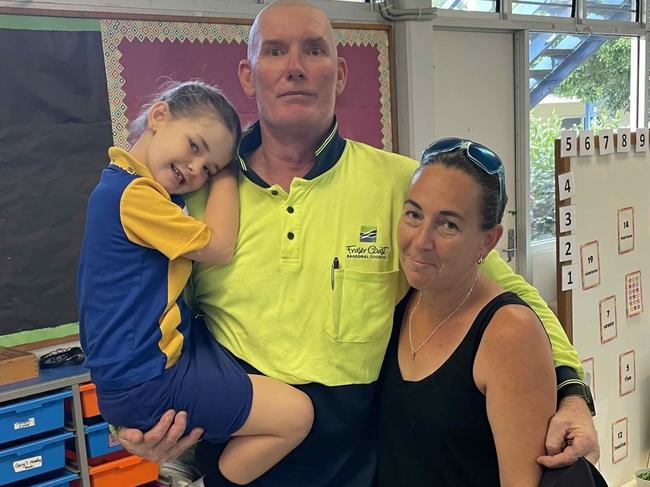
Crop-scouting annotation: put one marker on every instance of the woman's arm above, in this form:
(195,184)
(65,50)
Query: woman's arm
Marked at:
(222,218)
(514,368)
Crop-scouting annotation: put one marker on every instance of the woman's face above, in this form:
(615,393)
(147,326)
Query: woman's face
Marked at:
(439,232)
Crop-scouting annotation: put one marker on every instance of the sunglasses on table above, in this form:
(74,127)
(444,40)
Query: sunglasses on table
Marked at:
(483,157)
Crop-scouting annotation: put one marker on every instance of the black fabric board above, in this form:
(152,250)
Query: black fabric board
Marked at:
(54,132)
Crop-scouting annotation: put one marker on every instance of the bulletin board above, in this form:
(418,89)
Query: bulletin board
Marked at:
(71,87)
(603,268)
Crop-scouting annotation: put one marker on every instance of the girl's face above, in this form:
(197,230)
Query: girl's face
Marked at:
(184,151)
(439,234)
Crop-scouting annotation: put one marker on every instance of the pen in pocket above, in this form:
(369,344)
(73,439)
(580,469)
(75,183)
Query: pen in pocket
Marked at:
(335,265)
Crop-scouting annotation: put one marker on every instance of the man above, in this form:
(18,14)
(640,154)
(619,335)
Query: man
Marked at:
(310,293)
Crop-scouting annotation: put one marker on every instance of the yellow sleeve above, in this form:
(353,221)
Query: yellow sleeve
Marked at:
(151,219)
(564,354)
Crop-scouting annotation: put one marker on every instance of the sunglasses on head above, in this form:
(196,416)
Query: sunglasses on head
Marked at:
(480,155)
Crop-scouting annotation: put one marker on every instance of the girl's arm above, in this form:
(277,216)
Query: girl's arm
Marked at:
(514,369)
(222,218)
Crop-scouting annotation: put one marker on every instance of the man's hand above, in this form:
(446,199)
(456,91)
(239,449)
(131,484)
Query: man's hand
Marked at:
(571,434)
(164,441)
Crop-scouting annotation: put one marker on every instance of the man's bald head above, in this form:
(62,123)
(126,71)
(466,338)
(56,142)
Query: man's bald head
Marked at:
(253,37)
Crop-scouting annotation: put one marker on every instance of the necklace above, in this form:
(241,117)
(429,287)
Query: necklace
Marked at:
(426,340)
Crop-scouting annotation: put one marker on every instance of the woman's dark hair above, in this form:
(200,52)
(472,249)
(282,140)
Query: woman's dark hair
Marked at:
(190,99)
(489,183)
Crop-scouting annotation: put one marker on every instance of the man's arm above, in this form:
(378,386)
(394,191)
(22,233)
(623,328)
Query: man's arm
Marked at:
(564,354)
(571,432)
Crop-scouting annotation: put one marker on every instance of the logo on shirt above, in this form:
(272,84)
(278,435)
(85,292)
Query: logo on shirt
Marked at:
(368,234)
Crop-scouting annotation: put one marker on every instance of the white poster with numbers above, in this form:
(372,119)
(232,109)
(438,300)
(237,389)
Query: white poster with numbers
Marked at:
(606,142)
(627,373)
(623,141)
(608,321)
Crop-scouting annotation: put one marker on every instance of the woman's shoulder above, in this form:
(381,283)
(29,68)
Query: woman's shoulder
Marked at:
(513,323)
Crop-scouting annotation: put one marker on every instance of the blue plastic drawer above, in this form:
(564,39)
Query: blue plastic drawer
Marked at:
(32,416)
(33,458)
(99,440)
(58,478)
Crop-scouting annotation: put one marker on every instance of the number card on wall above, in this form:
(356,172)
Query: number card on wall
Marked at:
(608,326)
(606,141)
(567,218)
(627,373)
(619,440)
(590,375)
(590,259)
(641,140)
(587,147)
(566,185)
(567,246)
(633,296)
(569,145)
(569,273)
(625,230)
(623,140)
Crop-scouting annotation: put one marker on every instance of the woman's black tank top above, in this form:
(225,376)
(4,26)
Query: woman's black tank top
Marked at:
(435,432)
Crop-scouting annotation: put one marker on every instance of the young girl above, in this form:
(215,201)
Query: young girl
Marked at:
(136,258)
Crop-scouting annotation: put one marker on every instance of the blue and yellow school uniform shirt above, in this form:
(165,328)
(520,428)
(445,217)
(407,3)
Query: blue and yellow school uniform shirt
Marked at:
(133,320)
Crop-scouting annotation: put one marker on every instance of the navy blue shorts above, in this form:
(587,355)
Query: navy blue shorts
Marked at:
(206,382)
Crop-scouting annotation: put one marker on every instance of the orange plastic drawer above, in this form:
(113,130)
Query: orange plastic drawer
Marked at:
(89,407)
(125,472)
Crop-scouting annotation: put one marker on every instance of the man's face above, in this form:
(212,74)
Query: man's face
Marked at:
(293,69)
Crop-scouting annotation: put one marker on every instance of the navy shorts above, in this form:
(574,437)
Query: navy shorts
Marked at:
(206,382)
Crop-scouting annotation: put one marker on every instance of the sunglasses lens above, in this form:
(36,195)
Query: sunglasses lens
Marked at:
(483,156)
(442,145)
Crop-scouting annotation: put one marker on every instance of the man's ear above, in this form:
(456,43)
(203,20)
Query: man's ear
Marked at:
(245,73)
(341,75)
(158,114)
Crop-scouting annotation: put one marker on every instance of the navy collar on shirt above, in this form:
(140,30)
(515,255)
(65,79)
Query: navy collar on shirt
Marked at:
(327,155)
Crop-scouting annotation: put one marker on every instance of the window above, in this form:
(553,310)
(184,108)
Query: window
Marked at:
(549,8)
(469,5)
(576,81)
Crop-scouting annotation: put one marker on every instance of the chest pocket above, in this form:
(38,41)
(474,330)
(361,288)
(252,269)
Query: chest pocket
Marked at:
(362,305)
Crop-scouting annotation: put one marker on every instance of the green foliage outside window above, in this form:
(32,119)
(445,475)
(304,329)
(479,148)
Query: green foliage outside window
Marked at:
(603,79)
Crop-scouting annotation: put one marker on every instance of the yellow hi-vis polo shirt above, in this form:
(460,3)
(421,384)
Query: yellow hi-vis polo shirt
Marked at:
(310,293)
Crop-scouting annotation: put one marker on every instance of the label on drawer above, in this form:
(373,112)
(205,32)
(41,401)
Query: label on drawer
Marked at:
(19,425)
(28,464)
(113,441)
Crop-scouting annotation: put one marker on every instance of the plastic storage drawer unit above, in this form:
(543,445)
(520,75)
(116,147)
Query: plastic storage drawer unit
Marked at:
(59,478)
(32,416)
(89,407)
(33,458)
(99,441)
(125,472)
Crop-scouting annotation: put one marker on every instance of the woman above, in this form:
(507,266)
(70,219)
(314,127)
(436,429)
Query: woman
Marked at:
(468,385)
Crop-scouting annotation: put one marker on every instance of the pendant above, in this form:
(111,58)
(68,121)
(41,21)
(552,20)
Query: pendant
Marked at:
(413,356)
